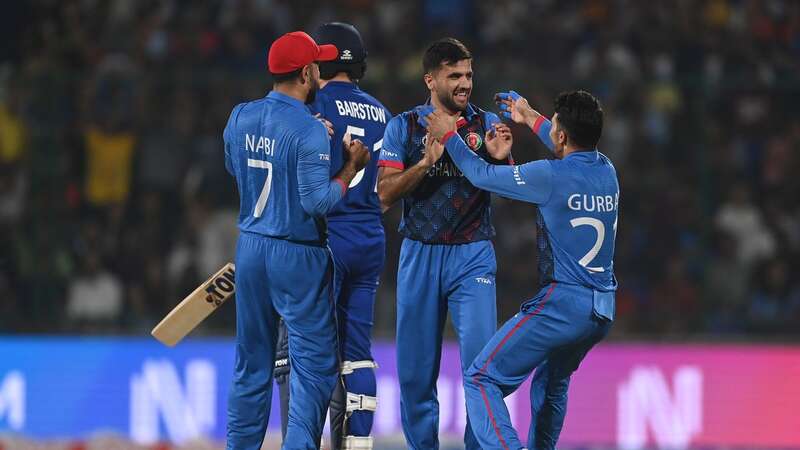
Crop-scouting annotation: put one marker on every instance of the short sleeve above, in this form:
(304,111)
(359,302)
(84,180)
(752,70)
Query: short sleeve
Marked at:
(394,143)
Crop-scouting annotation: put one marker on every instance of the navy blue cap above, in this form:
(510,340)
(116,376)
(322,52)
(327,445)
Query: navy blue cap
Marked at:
(346,38)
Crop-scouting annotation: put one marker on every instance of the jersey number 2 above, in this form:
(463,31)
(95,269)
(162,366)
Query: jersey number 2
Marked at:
(601,234)
(262,198)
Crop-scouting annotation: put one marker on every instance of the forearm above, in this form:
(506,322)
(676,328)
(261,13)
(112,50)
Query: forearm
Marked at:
(394,186)
(319,193)
(506,181)
(321,205)
(541,127)
(346,174)
(319,202)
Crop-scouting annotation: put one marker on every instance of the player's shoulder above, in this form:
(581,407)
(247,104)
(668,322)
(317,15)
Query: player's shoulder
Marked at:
(234,121)
(252,105)
(403,119)
(369,98)
(400,121)
(605,159)
(607,163)
(400,124)
(235,112)
(311,126)
(311,129)
(247,111)
(396,134)
(560,165)
(405,116)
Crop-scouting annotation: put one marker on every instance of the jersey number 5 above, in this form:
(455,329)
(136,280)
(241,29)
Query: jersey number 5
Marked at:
(360,132)
(262,198)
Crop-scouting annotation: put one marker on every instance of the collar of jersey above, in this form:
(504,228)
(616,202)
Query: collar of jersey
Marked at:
(347,84)
(286,99)
(471,112)
(590,154)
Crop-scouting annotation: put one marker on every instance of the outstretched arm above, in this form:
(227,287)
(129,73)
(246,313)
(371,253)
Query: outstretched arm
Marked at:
(530,182)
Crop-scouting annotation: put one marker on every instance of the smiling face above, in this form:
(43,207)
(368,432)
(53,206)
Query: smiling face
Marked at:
(451,84)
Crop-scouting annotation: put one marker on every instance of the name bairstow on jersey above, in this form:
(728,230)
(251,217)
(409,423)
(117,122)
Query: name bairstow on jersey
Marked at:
(361,111)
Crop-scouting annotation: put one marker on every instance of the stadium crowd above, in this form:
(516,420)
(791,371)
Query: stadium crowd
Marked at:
(114,200)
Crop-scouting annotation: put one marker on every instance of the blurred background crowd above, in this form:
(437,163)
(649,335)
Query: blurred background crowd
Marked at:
(115,204)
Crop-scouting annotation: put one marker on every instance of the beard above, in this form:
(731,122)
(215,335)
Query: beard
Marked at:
(312,93)
(447,99)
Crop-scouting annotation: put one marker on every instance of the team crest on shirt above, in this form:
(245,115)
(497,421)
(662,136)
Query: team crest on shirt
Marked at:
(473,140)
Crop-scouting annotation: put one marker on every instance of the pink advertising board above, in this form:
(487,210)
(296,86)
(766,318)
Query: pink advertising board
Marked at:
(626,396)
(647,395)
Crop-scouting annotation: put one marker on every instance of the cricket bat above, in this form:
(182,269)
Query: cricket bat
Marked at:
(196,306)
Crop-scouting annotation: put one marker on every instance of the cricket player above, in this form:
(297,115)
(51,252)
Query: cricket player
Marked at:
(280,156)
(447,261)
(578,198)
(356,236)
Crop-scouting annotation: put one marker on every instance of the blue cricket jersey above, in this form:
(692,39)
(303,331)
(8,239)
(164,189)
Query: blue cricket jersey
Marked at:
(280,156)
(445,208)
(352,110)
(578,199)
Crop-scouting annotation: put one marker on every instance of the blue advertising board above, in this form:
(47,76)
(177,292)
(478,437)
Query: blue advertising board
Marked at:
(72,387)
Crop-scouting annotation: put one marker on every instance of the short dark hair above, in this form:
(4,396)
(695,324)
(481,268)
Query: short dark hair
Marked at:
(581,117)
(355,71)
(286,77)
(446,51)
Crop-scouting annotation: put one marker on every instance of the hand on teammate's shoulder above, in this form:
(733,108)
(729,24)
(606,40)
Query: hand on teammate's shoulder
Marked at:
(326,122)
(440,123)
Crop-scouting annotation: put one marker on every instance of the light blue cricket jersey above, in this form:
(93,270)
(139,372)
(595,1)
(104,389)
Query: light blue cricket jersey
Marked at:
(578,199)
(280,156)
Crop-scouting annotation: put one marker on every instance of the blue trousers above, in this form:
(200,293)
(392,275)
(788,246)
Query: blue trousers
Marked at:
(276,278)
(552,334)
(433,279)
(358,254)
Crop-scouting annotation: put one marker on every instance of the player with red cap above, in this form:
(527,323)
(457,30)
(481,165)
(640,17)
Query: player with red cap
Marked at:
(294,50)
(280,156)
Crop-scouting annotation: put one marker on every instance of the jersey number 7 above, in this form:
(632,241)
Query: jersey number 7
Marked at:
(262,198)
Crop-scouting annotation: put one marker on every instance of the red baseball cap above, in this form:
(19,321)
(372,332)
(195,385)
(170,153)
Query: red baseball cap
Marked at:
(294,50)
